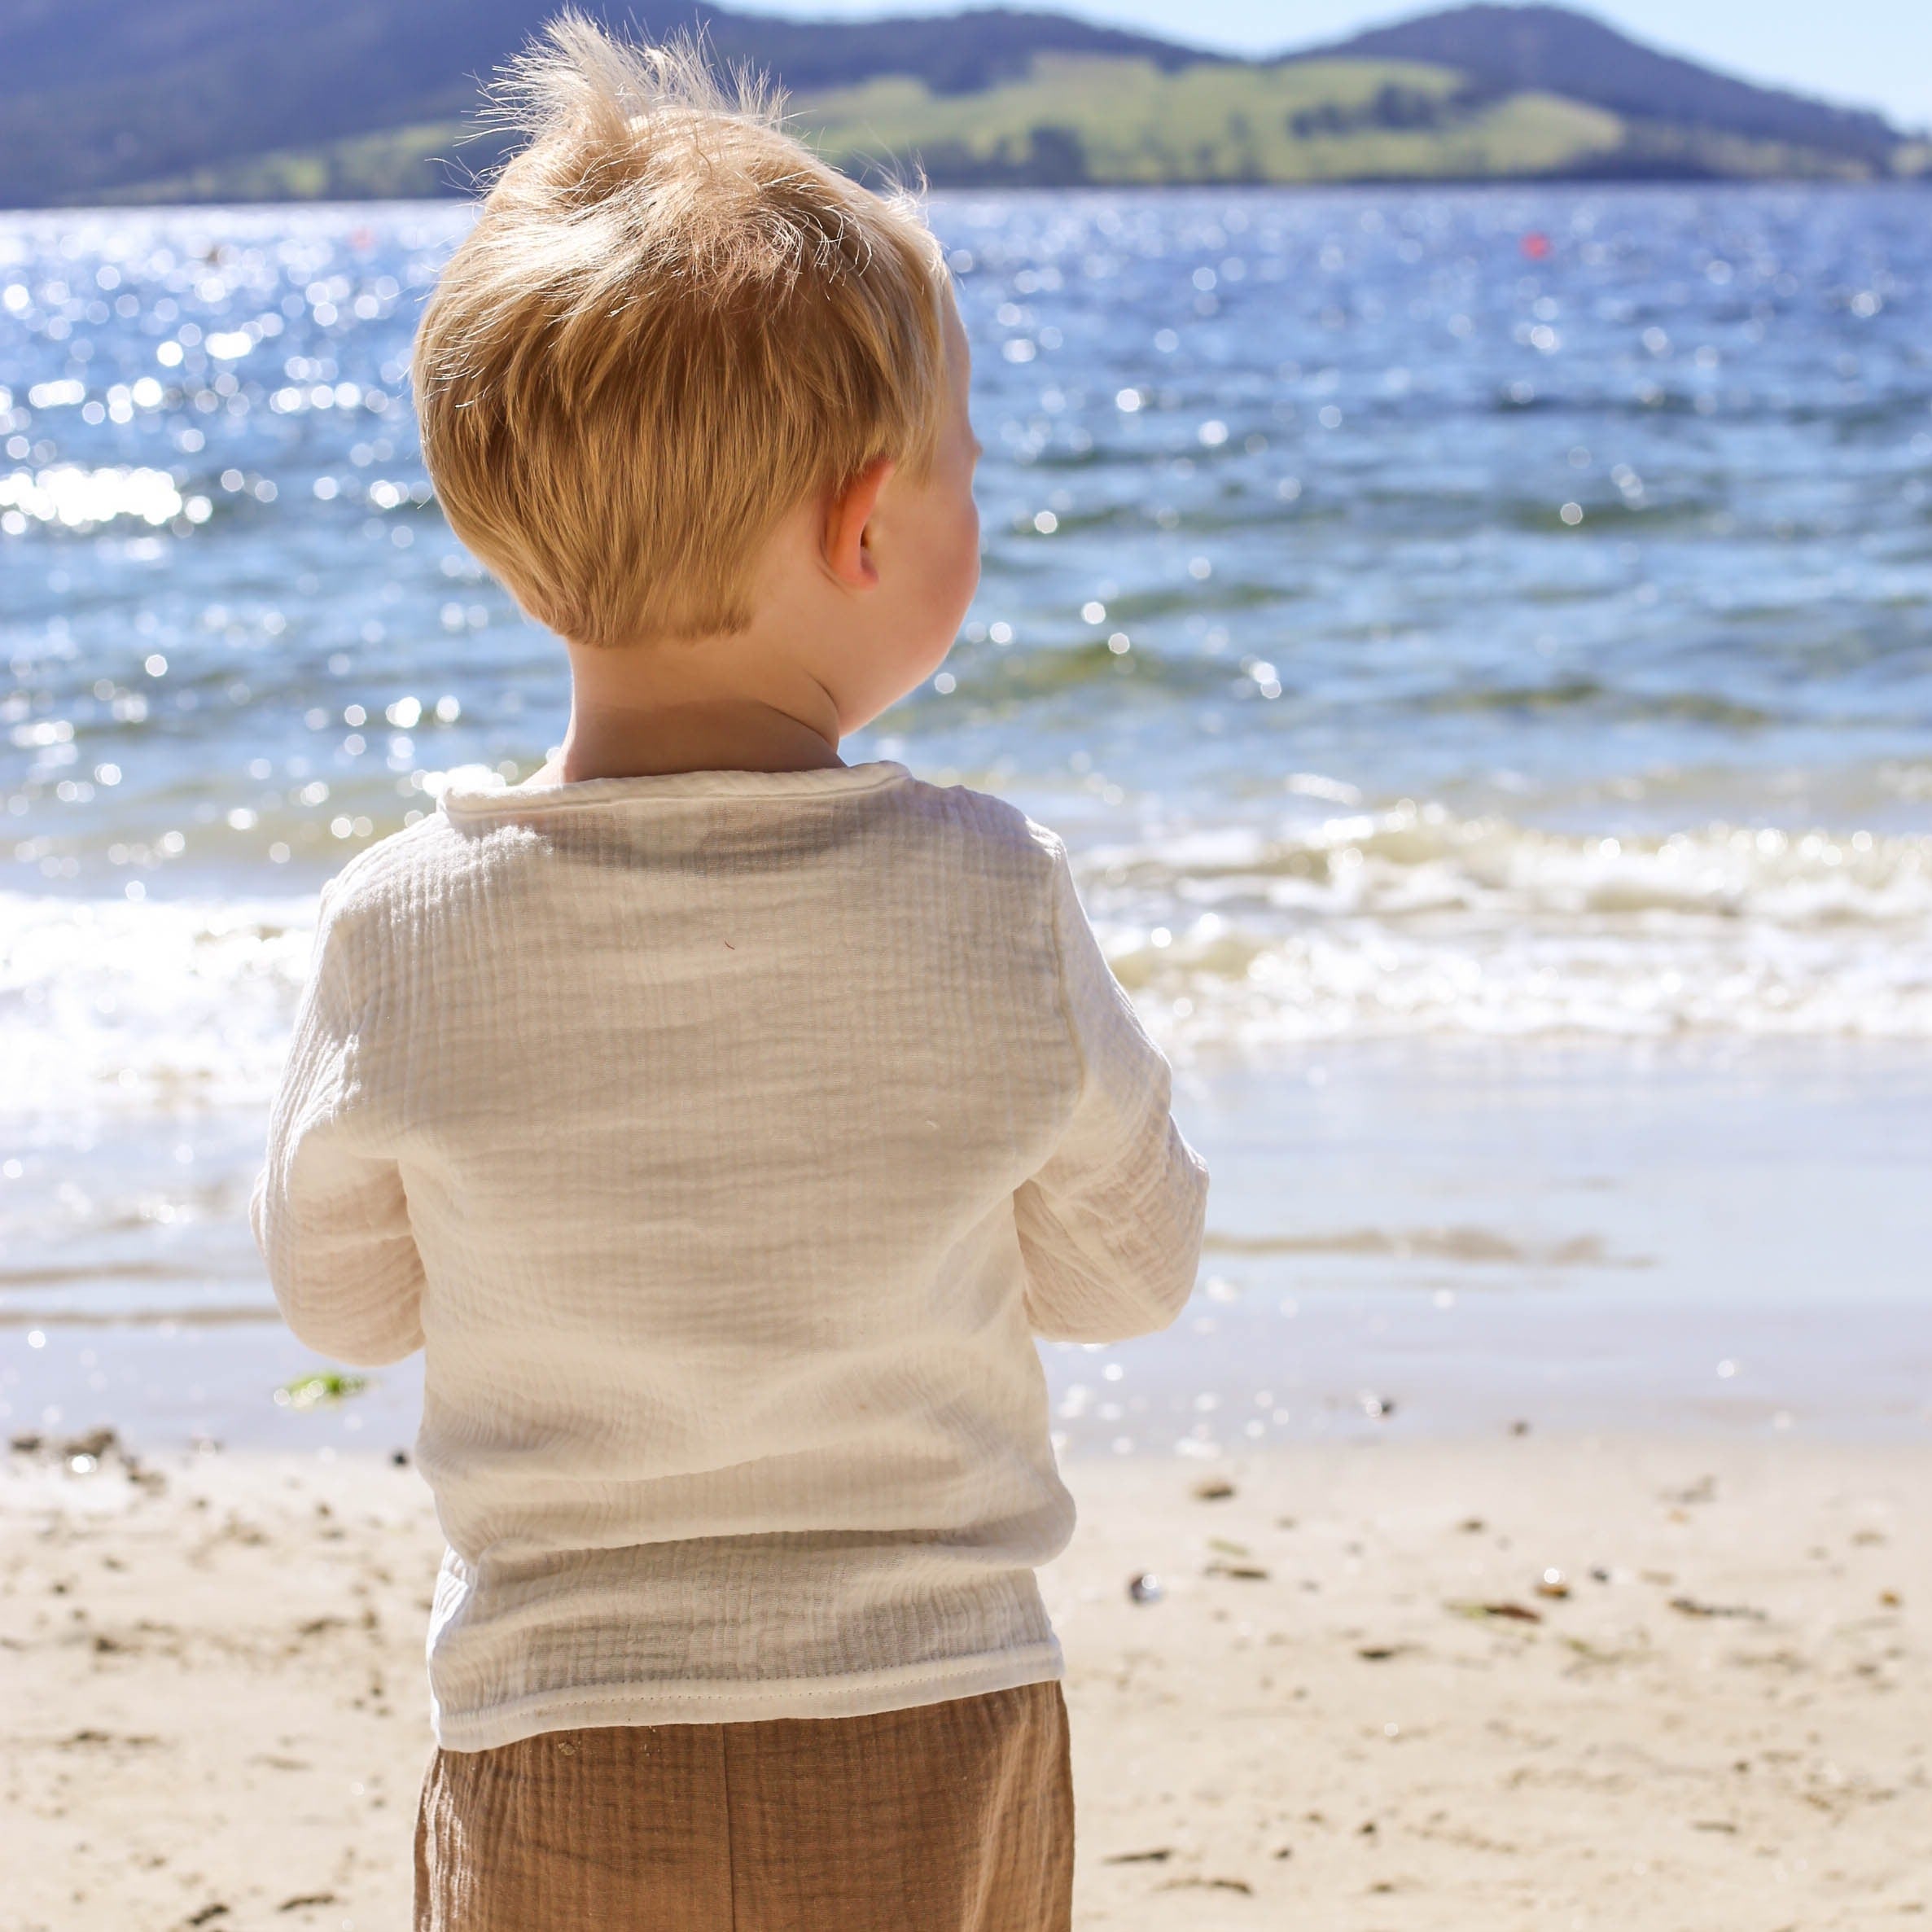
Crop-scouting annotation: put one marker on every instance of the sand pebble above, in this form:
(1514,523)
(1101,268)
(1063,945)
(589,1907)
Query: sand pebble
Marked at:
(1689,1606)
(1513,1613)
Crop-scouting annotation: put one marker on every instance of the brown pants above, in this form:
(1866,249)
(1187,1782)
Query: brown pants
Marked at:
(953,1817)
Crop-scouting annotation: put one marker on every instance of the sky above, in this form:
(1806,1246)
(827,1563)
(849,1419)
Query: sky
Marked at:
(1862,53)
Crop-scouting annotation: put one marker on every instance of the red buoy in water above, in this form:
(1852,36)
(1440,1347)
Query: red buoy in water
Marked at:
(1535,245)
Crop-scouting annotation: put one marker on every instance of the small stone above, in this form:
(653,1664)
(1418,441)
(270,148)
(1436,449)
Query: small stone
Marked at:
(1513,1613)
(1689,1606)
(1145,1587)
(1553,1583)
(1213,1489)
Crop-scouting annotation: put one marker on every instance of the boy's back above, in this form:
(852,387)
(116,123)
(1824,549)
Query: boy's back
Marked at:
(725,1137)
(724,1121)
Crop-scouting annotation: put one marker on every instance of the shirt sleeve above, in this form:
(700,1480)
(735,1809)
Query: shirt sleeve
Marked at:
(1110,1225)
(329,1211)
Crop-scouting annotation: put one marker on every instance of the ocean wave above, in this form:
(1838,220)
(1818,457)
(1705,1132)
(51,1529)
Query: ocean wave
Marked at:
(1406,920)
(115,1003)
(1415,920)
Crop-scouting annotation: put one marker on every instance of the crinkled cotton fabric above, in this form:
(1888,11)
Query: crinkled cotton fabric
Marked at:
(724,1140)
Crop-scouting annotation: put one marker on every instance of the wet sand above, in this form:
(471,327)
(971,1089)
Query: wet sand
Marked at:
(1348,1705)
(1594,1238)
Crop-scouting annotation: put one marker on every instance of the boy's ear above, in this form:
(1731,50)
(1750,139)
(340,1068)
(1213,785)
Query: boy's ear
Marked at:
(848,510)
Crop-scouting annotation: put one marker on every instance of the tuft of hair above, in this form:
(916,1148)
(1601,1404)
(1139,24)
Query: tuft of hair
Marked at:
(670,324)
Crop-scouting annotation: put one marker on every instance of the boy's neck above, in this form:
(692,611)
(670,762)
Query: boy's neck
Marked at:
(631,740)
(743,701)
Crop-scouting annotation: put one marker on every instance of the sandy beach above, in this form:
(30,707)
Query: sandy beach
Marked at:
(1355,1698)
(1503,793)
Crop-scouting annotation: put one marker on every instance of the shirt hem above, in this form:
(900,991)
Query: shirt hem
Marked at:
(901,1689)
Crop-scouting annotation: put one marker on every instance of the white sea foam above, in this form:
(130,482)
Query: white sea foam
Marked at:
(114,1003)
(1415,920)
(1410,921)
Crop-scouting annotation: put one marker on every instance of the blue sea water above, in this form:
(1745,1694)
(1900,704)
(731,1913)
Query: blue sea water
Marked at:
(1488,623)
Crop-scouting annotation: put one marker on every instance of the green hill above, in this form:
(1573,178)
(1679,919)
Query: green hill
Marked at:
(1508,50)
(126,100)
(1075,118)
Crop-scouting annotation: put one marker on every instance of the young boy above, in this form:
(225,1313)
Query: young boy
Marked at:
(724,1121)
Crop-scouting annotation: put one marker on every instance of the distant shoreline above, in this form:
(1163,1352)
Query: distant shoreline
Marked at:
(368,103)
(1905,185)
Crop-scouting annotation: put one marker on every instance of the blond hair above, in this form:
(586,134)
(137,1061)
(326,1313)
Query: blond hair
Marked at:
(670,324)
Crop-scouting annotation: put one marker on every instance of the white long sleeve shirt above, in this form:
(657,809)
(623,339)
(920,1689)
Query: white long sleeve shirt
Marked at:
(724,1139)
